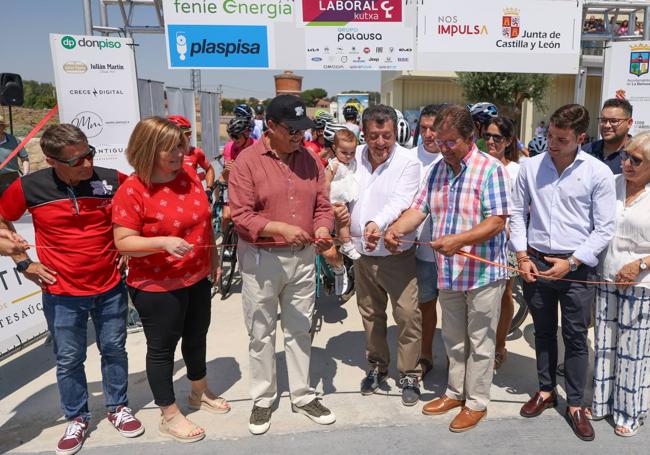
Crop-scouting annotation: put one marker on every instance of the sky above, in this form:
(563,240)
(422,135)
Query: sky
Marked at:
(24,49)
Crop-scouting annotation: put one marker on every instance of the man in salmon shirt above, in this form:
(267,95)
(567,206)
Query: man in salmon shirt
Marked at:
(280,206)
(70,204)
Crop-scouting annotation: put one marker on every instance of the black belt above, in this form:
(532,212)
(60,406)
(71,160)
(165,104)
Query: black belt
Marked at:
(539,255)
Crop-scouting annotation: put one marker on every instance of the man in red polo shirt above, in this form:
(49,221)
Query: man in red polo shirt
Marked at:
(70,204)
(279,204)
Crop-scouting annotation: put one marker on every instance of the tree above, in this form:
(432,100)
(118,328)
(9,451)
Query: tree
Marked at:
(38,95)
(310,97)
(227,105)
(507,91)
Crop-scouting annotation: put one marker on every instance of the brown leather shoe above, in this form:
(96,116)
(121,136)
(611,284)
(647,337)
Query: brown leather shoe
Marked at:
(441,405)
(580,424)
(537,404)
(466,420)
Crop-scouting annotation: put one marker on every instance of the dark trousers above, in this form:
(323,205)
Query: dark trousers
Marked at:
(166,318)
(575,301)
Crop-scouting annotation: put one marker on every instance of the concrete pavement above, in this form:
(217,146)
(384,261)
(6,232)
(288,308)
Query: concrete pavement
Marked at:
(31,421)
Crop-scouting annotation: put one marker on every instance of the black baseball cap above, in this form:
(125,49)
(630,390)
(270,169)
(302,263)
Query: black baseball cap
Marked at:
(291,111)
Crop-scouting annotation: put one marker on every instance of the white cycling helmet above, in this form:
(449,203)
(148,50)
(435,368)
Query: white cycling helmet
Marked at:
(403,132)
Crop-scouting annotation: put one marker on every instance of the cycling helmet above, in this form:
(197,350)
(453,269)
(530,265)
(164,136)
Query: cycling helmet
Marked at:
(399,114)
(537,145)
(243,110)
(259,109)
(181,121)
(483,112)
(320,123)
(331,129)
(239,125)
(350,112)
(324,115)
(403,132)
(362,138)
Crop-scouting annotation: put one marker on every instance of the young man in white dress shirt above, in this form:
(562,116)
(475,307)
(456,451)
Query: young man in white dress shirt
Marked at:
(388,176)
(570,199)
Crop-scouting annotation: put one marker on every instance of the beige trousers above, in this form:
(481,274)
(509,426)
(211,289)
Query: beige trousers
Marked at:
(469,327)
(275,279)
(377,279)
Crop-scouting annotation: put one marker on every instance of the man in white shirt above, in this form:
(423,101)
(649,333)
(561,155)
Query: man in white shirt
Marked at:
(570,198)
(388,176)
(428,154)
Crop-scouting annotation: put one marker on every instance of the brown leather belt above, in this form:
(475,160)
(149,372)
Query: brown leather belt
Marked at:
(539,255)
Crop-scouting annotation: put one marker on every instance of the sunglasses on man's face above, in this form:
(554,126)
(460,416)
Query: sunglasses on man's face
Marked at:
(292,131)
(634,161)
(74,162)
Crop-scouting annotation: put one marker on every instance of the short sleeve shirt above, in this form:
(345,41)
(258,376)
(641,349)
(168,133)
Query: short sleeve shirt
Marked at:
(178,208)
(74,233)
(8,144)
(460,202)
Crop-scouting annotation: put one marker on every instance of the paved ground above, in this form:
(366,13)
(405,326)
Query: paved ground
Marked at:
(31,422)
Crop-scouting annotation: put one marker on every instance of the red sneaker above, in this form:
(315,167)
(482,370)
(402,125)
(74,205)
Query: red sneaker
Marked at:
(73,439)
(125,422)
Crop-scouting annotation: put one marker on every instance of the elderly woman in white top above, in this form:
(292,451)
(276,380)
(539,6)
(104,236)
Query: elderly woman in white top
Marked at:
(622,365)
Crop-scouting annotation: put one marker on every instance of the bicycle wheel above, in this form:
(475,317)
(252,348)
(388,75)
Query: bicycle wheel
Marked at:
(228,259)
(521,307)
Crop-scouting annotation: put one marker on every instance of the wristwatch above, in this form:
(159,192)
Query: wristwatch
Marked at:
(642,265)
(23,265)
(573,265)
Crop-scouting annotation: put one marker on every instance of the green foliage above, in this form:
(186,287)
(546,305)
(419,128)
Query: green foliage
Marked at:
(39,95)
(310,97)
(507,91)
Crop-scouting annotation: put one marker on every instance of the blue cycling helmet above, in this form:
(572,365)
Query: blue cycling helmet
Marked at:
(537,145)
(483,112)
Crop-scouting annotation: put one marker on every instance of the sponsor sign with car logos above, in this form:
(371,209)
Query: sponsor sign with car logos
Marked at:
(97,91)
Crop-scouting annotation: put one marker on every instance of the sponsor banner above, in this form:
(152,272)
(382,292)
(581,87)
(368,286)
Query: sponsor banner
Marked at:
(97,91)
(541,36)
(217,46)
(21,308)
(627,75)
(240,12)
(341,12)
(360,47)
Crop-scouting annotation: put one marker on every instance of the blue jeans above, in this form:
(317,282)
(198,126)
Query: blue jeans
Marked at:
(67,321)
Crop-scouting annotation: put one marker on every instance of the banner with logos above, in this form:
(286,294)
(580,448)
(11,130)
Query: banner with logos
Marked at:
(21,307)
(97,91)
(228,33)
(540,36)
(627,75)
(290,34)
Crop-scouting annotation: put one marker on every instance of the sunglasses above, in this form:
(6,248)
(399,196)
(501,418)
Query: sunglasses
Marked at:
(74,162)
(497,138)
(292,131)
(633,159)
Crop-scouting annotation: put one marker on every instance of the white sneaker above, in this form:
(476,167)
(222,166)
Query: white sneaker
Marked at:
(340,280)
(316,412)
(350,251)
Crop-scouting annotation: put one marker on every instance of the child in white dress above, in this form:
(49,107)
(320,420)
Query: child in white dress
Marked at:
(342,183)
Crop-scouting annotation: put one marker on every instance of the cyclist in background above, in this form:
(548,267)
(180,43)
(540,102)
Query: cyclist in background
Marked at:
(317,143)
(239,130)
(351,116)
(259,122)
(482,113)
(194,156)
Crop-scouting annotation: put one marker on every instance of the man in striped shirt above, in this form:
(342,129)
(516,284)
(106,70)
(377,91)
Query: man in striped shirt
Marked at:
(467,195)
